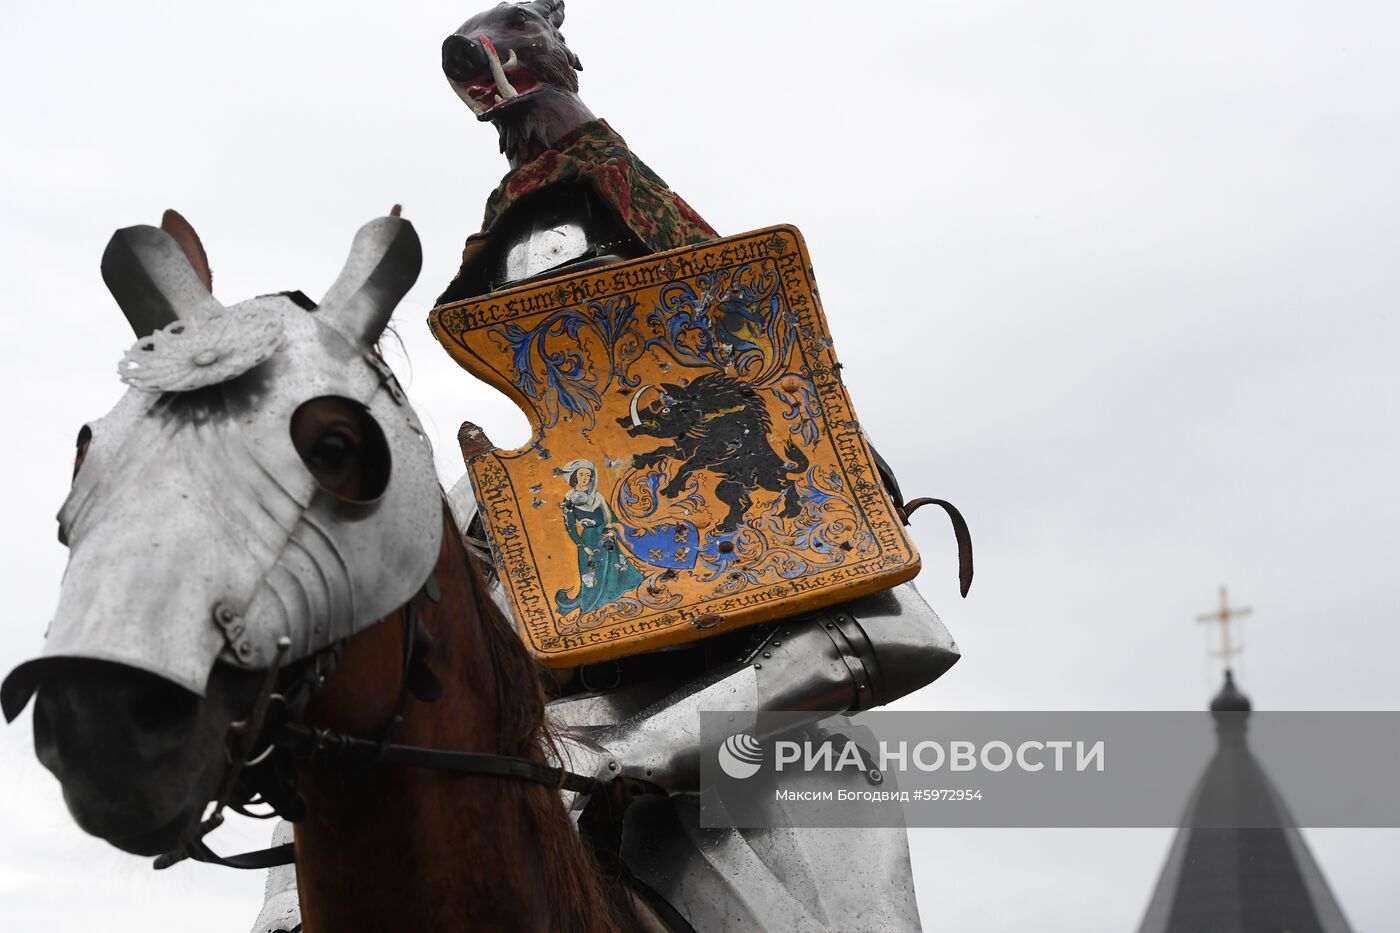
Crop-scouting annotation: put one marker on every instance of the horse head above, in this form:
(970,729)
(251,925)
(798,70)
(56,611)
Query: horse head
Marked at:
(260,493)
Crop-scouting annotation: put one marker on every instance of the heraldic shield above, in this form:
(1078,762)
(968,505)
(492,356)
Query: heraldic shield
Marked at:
(696,465)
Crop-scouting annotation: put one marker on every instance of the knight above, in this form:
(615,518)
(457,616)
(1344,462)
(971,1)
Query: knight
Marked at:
(576,197)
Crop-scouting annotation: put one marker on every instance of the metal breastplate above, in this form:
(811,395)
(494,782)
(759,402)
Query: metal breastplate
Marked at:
(561,227)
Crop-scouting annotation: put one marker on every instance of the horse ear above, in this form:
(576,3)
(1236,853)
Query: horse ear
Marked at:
(552,10)
(174,223)
(384,263)
(152,279)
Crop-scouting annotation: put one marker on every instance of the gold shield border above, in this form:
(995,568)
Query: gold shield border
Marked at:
(504,505)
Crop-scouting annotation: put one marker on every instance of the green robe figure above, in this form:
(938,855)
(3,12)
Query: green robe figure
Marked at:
(605,573)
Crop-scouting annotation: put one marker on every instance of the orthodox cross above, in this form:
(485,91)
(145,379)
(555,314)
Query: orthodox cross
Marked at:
(1224,616)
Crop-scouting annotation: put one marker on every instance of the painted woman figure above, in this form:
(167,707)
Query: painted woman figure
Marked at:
(605,572)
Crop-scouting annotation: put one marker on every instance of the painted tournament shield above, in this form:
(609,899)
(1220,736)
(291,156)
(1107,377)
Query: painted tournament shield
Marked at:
(696,465)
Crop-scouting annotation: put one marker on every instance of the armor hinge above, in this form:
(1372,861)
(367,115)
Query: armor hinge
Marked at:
(235,632)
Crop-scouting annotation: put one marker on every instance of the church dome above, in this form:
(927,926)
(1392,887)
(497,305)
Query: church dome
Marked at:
(1230,699)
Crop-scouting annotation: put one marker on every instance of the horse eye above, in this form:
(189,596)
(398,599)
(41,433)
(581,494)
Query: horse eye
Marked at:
(333,451)
(84,439)
(343,447)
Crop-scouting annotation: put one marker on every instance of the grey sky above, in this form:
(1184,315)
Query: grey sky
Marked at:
(1117,278)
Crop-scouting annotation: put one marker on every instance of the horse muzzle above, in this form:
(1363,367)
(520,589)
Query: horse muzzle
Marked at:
(136,755)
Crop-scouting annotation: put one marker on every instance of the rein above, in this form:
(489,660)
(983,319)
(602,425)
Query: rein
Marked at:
(303,743)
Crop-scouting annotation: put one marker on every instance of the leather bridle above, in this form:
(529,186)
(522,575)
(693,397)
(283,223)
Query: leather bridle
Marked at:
(287,740)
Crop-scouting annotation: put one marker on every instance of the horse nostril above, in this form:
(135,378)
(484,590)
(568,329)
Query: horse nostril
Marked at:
(462,58)
(96,704)
(157,706)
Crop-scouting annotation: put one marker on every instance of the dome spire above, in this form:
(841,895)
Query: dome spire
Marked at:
(1224,616)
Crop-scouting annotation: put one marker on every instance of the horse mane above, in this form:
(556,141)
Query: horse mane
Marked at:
(573,882)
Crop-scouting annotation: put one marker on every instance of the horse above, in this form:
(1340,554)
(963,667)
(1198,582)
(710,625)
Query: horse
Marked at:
(257,537)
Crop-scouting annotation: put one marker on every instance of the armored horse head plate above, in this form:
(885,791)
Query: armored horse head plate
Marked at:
(260,493)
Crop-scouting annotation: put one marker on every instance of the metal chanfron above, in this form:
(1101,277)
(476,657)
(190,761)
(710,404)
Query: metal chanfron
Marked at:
(197,533)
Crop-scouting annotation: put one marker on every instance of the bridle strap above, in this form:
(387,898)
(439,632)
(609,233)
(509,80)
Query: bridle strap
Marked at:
(196,850)
(310,744)
(284,854)
(307,744)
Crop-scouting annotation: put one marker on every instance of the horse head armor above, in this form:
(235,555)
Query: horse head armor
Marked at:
(202,525)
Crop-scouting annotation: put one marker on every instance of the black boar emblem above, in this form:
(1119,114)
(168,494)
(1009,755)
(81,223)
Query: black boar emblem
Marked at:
(718,424)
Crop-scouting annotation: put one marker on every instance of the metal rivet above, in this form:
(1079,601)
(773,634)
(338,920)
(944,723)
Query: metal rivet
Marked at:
(767,655)
(758,667)
(612,766)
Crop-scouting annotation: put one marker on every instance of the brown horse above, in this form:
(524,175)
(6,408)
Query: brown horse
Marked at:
(287,487)
(406,849)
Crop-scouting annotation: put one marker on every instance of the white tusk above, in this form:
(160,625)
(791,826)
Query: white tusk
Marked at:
(636,398)
(502,82)
(511,62)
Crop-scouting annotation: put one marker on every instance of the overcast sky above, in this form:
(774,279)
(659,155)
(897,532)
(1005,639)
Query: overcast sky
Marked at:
(1119,279)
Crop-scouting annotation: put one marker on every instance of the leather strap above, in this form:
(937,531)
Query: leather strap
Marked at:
(196,849)
(305,743)
(960,532)
(322,744)
(284,854)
